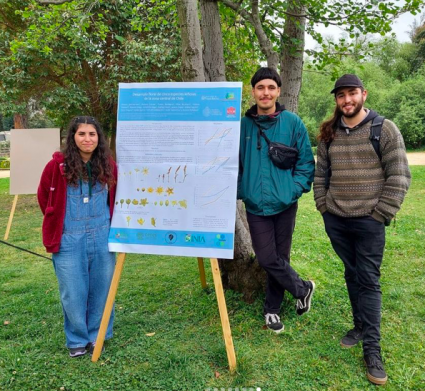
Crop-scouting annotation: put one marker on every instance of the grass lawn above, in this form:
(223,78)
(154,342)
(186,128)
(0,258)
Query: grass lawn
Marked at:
(162,295)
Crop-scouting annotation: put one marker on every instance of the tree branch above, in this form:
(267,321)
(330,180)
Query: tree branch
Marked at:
(255,19)
(8,26)
(55,2)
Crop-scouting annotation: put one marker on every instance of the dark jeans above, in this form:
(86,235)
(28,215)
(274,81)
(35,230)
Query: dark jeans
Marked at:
(272,238)
(360,242)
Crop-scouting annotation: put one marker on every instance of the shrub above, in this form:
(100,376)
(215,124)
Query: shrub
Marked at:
(411,124)
(4,144)
(5,164)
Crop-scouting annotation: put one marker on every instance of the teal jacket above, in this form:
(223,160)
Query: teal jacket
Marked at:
(265,189)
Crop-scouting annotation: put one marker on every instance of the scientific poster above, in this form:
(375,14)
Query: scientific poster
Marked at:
(177,155)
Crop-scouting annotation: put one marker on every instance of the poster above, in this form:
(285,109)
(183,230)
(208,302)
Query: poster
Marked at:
(30,151)
(177,155)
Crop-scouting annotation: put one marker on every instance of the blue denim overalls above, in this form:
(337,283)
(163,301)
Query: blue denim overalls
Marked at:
(84,266)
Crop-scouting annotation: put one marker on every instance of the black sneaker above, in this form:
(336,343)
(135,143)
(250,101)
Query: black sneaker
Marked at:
(304,304)
(375,369)
(273,323)
(90,347)
(77,352)
(352,338)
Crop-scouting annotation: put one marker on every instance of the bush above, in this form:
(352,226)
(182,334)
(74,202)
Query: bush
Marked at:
(5,144)
(405,105)
(411,125)
(5,164)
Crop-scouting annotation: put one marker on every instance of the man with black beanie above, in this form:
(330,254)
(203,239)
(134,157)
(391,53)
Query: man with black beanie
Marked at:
(270,193)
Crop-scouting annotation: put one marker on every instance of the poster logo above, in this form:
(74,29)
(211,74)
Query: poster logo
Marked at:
(121,236)
(170,237)
(231,111)
(189,238)
(230,96)
(146,237)
(220,240)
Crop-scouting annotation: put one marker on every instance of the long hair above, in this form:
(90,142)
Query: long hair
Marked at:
(75,169)
(328,128)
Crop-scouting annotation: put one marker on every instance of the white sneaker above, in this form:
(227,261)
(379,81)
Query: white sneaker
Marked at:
(273,323)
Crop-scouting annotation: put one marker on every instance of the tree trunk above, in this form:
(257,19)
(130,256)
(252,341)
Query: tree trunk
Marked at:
(192,65)
(213,55)
(243,273)
(20,121)
(291,58)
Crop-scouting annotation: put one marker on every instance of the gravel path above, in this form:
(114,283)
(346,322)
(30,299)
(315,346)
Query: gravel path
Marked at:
(416,158)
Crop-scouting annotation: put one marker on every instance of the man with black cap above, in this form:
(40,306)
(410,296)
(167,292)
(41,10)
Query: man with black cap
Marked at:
(359,186)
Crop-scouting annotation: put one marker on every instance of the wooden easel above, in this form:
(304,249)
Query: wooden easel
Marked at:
(227,334)
(12,212)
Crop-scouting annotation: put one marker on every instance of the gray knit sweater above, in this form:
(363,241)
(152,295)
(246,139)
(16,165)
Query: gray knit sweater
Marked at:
(361,184)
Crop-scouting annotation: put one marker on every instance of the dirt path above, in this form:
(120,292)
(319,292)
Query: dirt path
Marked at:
(416,158)
(4,173)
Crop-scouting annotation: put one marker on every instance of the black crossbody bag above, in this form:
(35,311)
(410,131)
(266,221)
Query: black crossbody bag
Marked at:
(281,155)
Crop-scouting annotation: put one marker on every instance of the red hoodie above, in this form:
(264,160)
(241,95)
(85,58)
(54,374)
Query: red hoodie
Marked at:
(51,196)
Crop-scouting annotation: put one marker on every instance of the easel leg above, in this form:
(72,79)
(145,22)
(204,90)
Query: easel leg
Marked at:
(12,212)
(230,349)
(108,307)
(202,272)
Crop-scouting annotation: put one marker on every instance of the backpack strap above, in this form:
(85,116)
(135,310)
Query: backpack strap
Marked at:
(375,134)
(328,172)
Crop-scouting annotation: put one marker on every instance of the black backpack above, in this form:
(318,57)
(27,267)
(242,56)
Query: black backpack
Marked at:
(374,137)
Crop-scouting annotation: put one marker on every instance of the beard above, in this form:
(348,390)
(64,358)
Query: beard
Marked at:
(357,107)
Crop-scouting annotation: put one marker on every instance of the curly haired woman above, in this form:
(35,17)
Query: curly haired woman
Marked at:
(76,195)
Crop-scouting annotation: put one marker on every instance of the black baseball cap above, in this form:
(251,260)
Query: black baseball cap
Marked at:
(348,80)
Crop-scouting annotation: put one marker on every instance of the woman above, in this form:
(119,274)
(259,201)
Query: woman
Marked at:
(76,195)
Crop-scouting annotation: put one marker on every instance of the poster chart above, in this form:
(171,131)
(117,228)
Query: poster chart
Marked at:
(177,155)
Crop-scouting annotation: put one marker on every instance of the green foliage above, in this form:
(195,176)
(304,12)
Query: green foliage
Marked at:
(5,163)
(396,89)
(357,19)
(7,123)
(315,103)
(70,58)
(187,351)
(405,105)
(40,120)
(398,60)
(412,123)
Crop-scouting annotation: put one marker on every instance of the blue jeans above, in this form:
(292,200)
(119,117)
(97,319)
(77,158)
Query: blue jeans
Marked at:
(360,242)
(84,266)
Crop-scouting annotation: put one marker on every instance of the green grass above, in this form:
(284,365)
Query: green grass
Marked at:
(162,295)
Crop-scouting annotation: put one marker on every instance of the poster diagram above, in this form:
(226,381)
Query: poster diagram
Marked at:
(177,155)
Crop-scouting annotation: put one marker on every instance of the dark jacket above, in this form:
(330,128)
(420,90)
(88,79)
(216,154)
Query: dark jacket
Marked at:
(265,189)
(51,196)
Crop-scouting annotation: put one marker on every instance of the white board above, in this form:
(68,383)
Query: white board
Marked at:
(30,150)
